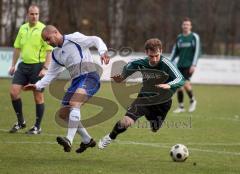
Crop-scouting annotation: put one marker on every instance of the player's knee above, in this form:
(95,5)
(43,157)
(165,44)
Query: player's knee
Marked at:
(188,86)
(127,122)
(39,99)
(14,94)
(79,98)
(180,89)
(75,104)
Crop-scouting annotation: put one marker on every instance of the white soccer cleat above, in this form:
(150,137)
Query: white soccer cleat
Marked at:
(104,142)
(192,106)
(179,110)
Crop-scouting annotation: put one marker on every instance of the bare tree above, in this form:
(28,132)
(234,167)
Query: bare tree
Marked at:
(13,14)
(231,27)
(131,22)
(116,22)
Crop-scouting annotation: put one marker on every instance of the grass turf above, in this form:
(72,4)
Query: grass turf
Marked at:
(211,134)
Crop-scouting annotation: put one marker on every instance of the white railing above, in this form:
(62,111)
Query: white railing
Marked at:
(210,69)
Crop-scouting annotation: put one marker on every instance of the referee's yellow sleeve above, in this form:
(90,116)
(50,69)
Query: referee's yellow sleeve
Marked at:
(17,40)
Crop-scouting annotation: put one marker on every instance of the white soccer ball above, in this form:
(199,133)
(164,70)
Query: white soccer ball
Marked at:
(179,153)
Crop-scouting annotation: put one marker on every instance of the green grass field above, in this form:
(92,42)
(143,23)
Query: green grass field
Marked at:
(212,134)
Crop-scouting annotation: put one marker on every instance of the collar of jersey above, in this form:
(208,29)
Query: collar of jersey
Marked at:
(64,38)
(32,28)
(186,35)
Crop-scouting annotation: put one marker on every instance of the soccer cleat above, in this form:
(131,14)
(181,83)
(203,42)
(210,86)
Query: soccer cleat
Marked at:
(84,147)
(17,127)
(155,125)
(154,129)
(179,110)
(63,141)
(34,130)
(106,140)
(192,106)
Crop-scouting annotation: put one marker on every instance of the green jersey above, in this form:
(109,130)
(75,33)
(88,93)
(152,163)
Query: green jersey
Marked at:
(29,40)
(187,48)
(153,75)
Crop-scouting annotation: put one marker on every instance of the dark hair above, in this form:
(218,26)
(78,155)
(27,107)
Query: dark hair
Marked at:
(186,19)
(153,44)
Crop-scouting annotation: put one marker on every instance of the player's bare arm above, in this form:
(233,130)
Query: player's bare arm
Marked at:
(163,86)
(46,64)
(16,55)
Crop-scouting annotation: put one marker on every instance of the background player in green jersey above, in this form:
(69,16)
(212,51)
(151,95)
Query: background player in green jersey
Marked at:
(187,48)
(154,68)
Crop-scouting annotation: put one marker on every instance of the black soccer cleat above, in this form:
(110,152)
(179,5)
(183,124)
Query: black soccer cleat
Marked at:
(154,125)
(84,147)
(16,127)
(34,131)
(63,141)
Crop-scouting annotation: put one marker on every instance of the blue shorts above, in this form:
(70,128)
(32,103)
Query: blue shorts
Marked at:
(89,81)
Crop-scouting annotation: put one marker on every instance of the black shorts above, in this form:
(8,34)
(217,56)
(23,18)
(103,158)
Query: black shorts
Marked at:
(186,73)
(27,73)
(151,112)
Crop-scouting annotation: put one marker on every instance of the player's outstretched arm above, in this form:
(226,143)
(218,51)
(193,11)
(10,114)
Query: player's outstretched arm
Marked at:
(117,78)
(163,86)
(29,87)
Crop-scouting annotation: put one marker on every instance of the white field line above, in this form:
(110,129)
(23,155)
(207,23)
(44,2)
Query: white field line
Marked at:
(28,142)
(45,134)
(152,144)
(158,145)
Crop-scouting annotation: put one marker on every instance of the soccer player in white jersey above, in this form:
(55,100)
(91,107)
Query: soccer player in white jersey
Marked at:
(72,52)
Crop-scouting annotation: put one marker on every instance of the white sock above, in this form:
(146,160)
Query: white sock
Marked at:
(74,119)
(181,105)
(84,134)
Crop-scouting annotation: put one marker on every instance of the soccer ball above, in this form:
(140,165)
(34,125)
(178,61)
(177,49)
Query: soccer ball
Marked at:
(179,153)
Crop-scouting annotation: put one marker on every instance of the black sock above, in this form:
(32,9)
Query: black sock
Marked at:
(117,129)
(190,95)
(17,105)
(180,96)
(39,114)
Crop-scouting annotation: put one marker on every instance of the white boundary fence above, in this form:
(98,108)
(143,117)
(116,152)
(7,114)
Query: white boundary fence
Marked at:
(210,69)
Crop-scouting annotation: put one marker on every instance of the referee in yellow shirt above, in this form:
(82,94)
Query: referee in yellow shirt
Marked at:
(35,58)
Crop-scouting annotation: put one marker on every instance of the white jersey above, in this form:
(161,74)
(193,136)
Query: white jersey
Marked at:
(74,55)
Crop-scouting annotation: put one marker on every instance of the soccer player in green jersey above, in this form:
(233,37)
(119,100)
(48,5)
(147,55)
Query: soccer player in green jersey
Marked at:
(153,68)
(35,57)
(187,48)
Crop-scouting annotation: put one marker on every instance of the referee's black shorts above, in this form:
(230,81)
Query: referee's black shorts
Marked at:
(27,73)
(151,112)
(186,73)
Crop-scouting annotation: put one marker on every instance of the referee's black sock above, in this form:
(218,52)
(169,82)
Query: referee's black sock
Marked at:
(17,105)
(190,95)
(117,129)
(39,114)
(180,96)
